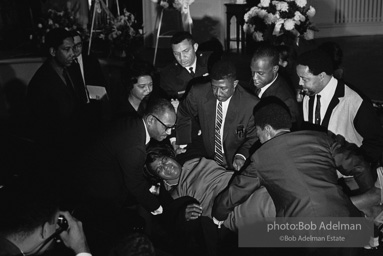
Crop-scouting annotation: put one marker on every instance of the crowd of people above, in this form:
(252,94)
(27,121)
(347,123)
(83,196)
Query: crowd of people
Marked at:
(189,156)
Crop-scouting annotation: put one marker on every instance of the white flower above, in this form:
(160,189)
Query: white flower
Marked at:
(311,12)
(299,17)
(270,18)
(40,25)
(262,13)
(308,35)
(282,6)
(258,36)
(289,24)
(301,3)
(264,3)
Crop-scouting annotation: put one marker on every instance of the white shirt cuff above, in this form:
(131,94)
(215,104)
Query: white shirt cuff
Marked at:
(244,158)
(218,222)
(158,211)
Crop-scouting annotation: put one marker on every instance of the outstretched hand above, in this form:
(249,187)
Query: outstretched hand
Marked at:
(193,211)
(74,237)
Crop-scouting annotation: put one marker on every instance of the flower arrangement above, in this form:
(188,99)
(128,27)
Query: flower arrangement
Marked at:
(176,4)
(123,32)
(55,19)
(279,22)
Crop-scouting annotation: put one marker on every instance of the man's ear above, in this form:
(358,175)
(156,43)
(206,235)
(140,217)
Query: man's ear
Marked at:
(275,69)
(149,120)
(52,51)
(270,131)
(235,83)
(45,230)
(195,46)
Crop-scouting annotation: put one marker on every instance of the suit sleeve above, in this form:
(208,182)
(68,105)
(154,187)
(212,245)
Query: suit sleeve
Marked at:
(186,111)
(238,191)
(251,138)
(131,162)
(368,126)
(349,163)
(167,83)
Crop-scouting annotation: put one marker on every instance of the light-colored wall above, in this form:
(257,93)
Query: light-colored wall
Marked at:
(209,17)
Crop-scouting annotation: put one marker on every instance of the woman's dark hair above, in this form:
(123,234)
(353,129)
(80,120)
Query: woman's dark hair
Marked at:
(155,150)
(133,70)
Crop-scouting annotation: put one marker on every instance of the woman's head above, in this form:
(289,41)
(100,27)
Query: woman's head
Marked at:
(138,79)
(161,163)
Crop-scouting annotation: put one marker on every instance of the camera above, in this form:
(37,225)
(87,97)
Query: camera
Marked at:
(62,223)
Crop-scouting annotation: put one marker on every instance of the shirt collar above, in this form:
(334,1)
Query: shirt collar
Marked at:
(147,138)
(193,66)
(329,90)
(264,88)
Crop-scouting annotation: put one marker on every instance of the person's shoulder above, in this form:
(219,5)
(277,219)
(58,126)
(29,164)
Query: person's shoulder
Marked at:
(172,66)
(246,94)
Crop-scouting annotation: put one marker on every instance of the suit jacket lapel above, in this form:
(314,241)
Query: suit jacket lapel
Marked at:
(231,112)
(339,93)
(210,108)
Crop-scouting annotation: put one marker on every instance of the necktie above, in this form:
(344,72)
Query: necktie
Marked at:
(218,157)
(192,71)
(317,111)
(68,81)
(257,92)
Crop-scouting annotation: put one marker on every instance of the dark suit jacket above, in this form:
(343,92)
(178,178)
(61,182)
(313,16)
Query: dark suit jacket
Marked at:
(52,105)
(201,103)
(175,78)
(281,89)
(93,74)
(112,170)
(298,170)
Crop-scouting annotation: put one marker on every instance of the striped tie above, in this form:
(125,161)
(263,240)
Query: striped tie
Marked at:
(218,157)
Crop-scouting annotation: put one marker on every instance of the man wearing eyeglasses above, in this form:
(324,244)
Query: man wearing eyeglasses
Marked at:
(85,69)
(112,170)
(224,110)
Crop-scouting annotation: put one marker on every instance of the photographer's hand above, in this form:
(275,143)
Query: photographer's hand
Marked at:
(74,237)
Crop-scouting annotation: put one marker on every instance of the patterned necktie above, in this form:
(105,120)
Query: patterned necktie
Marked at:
(192,71)
(317,111)
(218,157)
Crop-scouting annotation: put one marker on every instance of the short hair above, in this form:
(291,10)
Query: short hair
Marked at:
(223,69)
(56,37)
(269,51)
(131,71)
(28,204)
(75,33)
(155,150)
(272,111)
(158,107)
(317,60)
(178,37)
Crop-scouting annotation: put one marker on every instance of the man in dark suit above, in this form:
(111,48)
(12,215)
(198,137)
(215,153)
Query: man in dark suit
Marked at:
(298,170)
(85,69)
(112,169)
(188,64)
(267,82)
(51,96)
(236,130)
